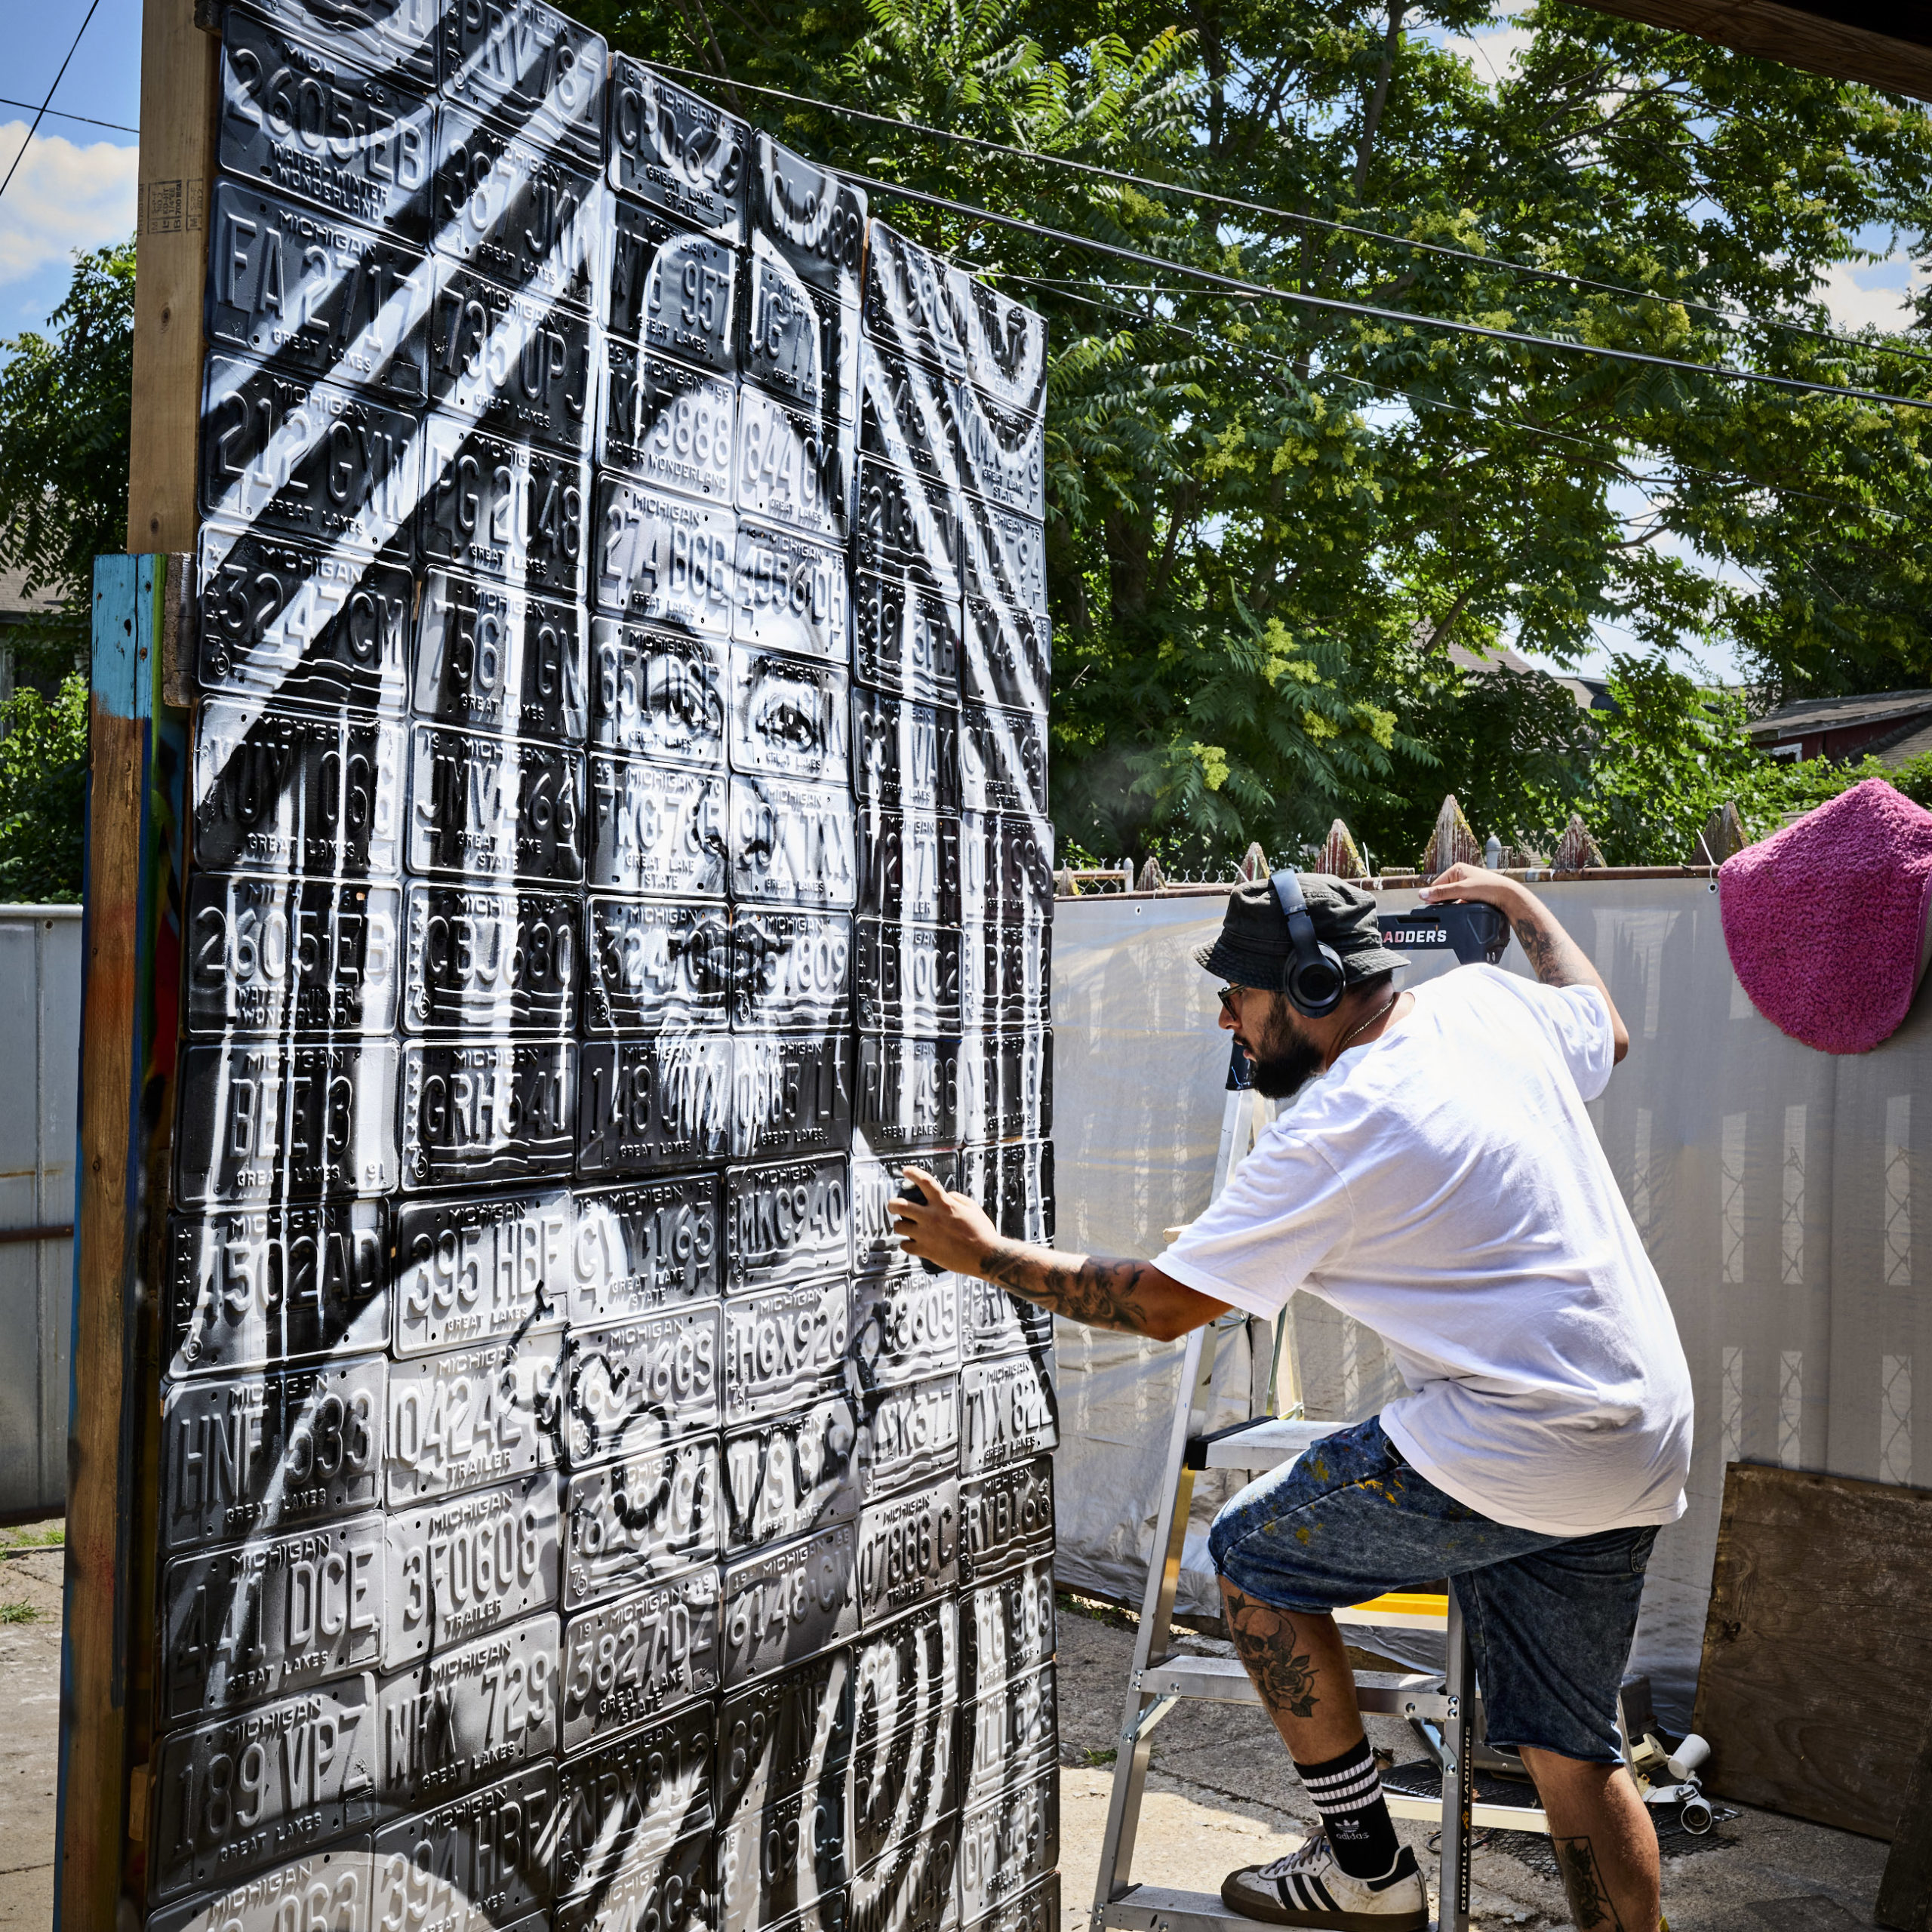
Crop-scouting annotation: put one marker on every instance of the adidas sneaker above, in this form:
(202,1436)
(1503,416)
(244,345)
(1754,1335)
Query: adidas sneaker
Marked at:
(1308,1888)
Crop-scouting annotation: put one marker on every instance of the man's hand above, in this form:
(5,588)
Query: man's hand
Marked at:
(952,1231)
(1554,957)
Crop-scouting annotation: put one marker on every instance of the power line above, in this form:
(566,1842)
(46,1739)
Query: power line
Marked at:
(1407,318)
(61,114)
(1443,249)
(41,114)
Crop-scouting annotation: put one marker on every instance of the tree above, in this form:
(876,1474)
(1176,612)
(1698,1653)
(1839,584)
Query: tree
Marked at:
(65,402)
(43,794)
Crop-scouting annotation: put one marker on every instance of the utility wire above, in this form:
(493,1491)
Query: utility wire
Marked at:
(1406,318)
(1442,248)
(61,114)
(41,115)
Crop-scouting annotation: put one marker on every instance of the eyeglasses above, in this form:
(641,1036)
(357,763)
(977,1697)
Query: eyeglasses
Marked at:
(1229,994)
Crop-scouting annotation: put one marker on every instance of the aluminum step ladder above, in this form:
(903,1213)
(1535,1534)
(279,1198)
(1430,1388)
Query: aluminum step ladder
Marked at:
(1161,1678)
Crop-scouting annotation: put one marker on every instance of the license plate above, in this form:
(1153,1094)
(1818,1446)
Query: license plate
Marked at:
(786,1221)
(783,1607)
(1006,1626)
(1005,343)
(496,660)
(910,866)
(656,830)
(801,343)
(635,1385)
(1003,760)
(283,621)
(624,1799)
(457,1568)
(641,1520)
(233,1797)
(1038,1909)
(783,1346)
(903,410)
(378,34)
(905,639)
(790,717)
(994,1322)
(788,1735)
(470,1271)
(319,1888)
(675,151)
(1021,1197)
(638,1655)
(905,304)
(794,466)
(1003,557)
(461,1717)
(791,594)
(1009,1735)
(914,1888)
(790,1095)
(277,1615)
(298,119)
(296,792)
(1007,1843)
(906,755)
(508,513)
(1007,1520)
(1002,453)
(905,1328)
(490,962)
(498,1113)
(1011,1414)
(269,1452)
(656,968)
(910,1437)
(1009,976)
(902,1785)
(317,296)
(876,1184)
(657,694)
(905,1670)
(515,211)
(291,957)
(789,1852)
(673,1891)
(660,559)
(791,1475)
(909,1092)
(482,1860)
(1007,1085)
(1006,866)
(494,808)
(671,426)
(645,1247)
(906,525)
(255,1123)
(909,1551)
(790,970)
(648,1105)
(671,290)
(472,1417)
(907,978)
(810,216)
(532,68)
(332,468)
(792,843)
(1009,657)
(250,1287)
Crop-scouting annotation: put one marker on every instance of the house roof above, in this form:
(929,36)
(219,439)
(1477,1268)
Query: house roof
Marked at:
(1591,694)
(1838,714)
(14,598)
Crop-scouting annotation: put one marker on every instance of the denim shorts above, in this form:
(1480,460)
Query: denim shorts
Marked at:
(1550,1618)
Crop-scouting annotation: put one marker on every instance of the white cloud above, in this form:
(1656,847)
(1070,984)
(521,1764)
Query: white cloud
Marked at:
(62,197)
(1864,294)
(1493,51)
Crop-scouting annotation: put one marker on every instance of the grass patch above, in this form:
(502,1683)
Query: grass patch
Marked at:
(51,1536)
(1097,1760)
(18,1612)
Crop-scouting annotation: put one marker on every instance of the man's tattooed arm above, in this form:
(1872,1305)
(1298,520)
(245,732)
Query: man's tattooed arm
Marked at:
(1104,1294)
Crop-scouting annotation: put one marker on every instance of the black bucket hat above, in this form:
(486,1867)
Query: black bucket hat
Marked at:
(1253,948)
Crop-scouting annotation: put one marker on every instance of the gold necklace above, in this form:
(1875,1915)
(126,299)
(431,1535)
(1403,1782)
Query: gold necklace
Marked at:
(1363,1027)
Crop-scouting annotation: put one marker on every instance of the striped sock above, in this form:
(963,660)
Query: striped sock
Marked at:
(1347,1791)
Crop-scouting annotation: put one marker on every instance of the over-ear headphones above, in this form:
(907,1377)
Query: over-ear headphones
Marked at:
(1315,982)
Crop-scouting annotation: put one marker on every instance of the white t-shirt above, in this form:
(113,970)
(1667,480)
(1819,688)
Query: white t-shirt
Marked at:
(1444,1186)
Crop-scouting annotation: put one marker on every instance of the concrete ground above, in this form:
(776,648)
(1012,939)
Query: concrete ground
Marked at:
(30,1560)
(1223,1793)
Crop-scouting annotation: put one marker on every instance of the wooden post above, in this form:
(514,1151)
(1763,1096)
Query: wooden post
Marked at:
(1452,843)
(1340,857)
(1254,865)
(1577,851)
(179,95)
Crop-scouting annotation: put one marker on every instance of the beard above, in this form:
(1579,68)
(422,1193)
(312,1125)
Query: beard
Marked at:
(1284,1059)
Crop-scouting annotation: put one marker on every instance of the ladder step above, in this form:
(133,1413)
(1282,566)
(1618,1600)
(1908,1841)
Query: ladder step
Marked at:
(1483,1817)
(1160,1908)
(1264,1443)
(1222,1681)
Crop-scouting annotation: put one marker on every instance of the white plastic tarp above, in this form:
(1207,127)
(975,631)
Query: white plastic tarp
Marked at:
(1773,1185)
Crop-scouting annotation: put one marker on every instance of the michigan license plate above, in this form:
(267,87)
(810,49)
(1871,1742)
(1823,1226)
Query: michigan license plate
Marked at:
(638,1655)
(1006,1626)
(910,866)
(662,559)
(783,1346)
(508,513)
(1003,559)
(907,978)
(641,1520)
(378,34)
(905,1328)
(905,639)
(789,971)
(472,1417)
(657,831)
(648,1105)
(1009,657)
(672,291)
(499,1112)
(789,1852)
(913,1887)
(907,306)
(786,1220)
(1011,1415)
(909,1551)
(790,594)
(482,1859)
(994,1322)
(904,409)
(457,1568)
(801,344)
(790,1095)
(790,717)
(1009,1735)
(635,1385)
(876,1184)
(790,1475)
(811,216)
(470,1271)
(328,1888)
(1007,1843)
(1005,343)
(1002,761)
(495,659)
(905,756)
(671,1890)
(906,525)
(530,66)
(518,211)
(623,1800)
(675,151)
(909,1092)
(794,466)
(1001,452)
(793,844)
(1007,1520)
(645,1247)
(656,967)
(494,808)
(786,1735)
(910,1437)
(657,694)
(490,962)
(906,1668)
(672,427)
(782,1607)
(903,1784)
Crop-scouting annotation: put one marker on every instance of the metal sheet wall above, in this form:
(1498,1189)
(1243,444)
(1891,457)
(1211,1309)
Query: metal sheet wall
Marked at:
(40,1032)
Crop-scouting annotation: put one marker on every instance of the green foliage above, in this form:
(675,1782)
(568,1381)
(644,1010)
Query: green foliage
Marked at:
(43,794)
(65,398)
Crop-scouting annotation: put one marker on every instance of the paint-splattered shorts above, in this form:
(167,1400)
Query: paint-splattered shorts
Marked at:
(1550,1618)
